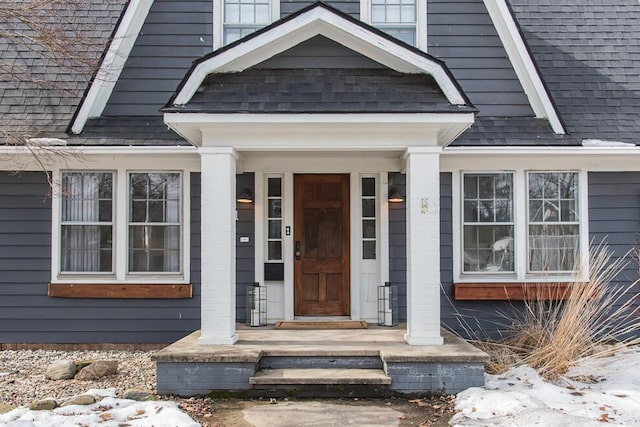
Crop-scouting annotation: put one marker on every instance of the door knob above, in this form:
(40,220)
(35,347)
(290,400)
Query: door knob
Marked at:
(298,250)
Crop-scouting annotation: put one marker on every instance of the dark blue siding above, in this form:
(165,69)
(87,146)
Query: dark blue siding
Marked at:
(27,315)
(460,32)
(398,244)
(351,7)
(174,34)
(245,252)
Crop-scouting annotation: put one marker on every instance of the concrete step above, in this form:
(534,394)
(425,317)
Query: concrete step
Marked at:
(319,377)
(323,362)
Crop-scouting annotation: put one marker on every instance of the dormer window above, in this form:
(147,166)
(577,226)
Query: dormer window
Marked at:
(239,18)
(402,19)
(395,17)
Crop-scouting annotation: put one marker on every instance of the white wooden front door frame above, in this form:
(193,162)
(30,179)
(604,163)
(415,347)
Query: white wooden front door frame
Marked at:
(356,167)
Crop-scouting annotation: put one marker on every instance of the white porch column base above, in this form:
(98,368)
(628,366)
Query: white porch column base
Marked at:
(218,231)
(423,246)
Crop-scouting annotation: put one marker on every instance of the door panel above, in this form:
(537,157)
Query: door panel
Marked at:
(321,226)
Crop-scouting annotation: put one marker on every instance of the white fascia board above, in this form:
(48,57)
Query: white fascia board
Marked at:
(113,63)
(503,151)
(97,150)
(522,62)
(319,131)
(319,21)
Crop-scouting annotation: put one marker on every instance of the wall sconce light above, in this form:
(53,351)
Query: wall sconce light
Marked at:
(245,196)
(395,196)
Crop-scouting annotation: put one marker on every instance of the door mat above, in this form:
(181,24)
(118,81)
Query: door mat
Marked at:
(337,324)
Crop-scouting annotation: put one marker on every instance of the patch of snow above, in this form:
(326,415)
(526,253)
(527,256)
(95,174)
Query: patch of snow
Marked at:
(108,411)
(603,143)
(609,393)
(47,141)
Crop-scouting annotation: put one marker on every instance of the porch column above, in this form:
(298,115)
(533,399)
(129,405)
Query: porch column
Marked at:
(218,253)
(423,246)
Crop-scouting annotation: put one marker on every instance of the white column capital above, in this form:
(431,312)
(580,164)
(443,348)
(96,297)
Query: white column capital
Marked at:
(218,151)
(421,150)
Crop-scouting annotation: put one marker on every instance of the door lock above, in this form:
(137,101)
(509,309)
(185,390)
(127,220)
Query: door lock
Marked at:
(298,250)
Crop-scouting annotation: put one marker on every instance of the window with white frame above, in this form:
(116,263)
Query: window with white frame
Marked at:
(397,18)
(368,218)
(154,222)
(86,226)
(242,17)
(553,230)
(274,219)
(488,226)
(547,232)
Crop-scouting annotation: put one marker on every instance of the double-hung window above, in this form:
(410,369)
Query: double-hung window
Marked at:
(520,224)
(154,222)
(87,222)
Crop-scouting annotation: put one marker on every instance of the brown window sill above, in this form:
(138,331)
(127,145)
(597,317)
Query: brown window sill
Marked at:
(509,291)
(122,291)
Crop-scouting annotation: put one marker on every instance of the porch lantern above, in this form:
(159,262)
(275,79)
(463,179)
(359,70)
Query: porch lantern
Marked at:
(256,305)
(245,196)
(387,305)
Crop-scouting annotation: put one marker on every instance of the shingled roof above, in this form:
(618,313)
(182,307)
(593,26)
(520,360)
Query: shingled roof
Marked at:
(588,52)
(39,91)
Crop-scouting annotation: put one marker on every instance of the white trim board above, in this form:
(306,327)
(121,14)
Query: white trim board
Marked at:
(319,21)
(523,64)
(112,64)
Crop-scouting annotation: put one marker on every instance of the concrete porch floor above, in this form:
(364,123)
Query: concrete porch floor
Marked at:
(384,342)
(187,368)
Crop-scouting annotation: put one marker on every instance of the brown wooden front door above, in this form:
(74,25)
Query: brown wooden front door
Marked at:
(321,245)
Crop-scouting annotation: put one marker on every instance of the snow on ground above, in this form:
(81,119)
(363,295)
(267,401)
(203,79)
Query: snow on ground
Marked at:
(598,391)
(108,411)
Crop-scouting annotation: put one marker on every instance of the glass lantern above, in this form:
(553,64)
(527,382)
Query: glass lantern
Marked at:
(387,305)
(256,305)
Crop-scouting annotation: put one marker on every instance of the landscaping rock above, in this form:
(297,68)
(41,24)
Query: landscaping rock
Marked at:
(4,408)
(43,405)
(61,370)
(83,399)
(138,394)
(98,369)
(81,364)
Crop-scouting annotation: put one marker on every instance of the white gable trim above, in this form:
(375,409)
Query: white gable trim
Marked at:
(523,64)
(113,63)
(319,21)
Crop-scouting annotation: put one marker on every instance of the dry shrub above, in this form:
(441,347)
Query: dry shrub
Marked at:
(596,319)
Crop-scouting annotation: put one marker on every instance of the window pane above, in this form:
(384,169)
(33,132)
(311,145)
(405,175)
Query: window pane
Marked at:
(369,228)
(154,248)
(369,208)
(488,248)
(86,248)
(82,195)
(275,187)
(274,251)
(553,247)
(275,229)
(369,187)
(369,249)
(275,208)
